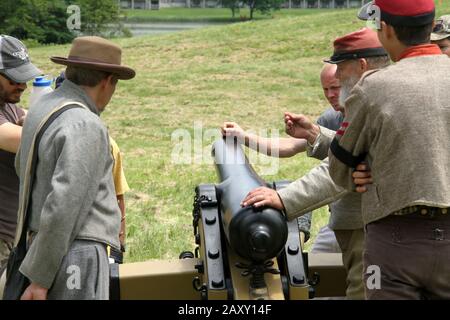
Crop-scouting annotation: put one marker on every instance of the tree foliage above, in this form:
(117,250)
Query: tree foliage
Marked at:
(40,20)
(46,21)
(263,6)
(99,17)
(233,5)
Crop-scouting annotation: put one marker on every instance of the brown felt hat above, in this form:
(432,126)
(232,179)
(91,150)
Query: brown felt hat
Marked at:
(98,54)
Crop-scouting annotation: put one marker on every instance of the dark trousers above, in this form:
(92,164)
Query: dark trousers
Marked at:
(413,256)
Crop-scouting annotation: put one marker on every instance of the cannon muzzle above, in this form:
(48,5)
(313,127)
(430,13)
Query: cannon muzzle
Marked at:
(254,234)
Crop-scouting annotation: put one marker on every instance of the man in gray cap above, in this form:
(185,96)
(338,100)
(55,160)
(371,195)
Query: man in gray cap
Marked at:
(15,70)
(441,34)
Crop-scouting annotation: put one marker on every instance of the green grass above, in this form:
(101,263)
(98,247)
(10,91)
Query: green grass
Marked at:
(248,72)
(207,14)
(179,15)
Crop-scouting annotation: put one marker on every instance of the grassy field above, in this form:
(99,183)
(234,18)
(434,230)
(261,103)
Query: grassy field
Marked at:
(207,14)
(249,72)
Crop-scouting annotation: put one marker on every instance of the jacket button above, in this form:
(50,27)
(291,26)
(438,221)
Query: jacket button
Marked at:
(423,212)
(444,211)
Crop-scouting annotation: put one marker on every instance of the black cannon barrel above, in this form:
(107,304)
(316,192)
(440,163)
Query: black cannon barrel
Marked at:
(255,234)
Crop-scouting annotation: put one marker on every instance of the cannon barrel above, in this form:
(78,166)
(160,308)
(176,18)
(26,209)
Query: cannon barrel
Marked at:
(254,234)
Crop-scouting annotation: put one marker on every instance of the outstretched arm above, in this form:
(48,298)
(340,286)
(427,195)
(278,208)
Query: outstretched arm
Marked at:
(275,147)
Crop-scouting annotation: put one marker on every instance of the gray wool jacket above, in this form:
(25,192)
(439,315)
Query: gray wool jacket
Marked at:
(73,193)
(316,189)
(398,119)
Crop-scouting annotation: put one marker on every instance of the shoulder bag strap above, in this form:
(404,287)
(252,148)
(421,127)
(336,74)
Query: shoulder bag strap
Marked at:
(23,216)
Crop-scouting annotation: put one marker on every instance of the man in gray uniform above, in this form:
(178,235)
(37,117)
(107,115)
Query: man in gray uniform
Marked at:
(74,213)
(364,52)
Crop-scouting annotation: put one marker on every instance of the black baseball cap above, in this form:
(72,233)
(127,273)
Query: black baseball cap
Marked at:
(15,64)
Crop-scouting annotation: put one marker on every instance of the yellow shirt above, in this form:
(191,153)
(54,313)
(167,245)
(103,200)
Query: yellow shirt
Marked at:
(120,183)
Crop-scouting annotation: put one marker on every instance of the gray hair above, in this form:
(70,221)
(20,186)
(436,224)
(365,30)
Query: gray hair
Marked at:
(378,62)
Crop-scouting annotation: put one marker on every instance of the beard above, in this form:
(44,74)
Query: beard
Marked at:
(346,88)
(10,97)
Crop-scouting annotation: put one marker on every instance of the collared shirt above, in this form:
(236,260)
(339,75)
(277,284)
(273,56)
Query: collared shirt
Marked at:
(422,50)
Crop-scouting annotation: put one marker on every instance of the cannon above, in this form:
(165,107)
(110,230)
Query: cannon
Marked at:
(255,235)
(251,238)
(242,253)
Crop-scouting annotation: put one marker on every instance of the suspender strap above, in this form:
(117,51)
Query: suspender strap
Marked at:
(30,169)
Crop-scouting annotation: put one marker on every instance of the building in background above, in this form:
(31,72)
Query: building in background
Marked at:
(313,4)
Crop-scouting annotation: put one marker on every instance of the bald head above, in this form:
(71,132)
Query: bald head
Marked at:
(331,86)
(328,71)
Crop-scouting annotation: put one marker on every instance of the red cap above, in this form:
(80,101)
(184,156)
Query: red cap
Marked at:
(406,13)
(363,43)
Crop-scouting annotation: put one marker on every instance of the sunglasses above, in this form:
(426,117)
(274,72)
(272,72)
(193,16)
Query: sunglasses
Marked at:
(441,27)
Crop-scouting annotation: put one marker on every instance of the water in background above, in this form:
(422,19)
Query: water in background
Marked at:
(157,28)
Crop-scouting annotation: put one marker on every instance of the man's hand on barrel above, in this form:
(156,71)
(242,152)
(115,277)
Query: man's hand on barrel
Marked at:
(261,197)
(301,127)
(362,176)
(232,129)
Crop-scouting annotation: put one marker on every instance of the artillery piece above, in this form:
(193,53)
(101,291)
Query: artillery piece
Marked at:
(242,253)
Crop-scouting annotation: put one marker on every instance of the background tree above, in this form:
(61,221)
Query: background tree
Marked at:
(263,6)
(46,21)
(99,17)
(233,5)
(40,20)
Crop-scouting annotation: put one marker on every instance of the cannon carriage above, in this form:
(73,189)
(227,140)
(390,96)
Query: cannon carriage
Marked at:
(242,253)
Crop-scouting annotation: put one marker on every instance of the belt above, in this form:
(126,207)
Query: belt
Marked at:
(422,210)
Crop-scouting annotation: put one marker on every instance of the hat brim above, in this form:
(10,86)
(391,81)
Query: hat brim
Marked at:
(22,74)
(122,72)
(363,13)
(334,61)
(439,36)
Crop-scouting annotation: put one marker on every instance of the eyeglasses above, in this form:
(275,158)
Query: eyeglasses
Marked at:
(441,27)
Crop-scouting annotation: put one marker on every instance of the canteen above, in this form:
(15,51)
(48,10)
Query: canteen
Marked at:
(41,86)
